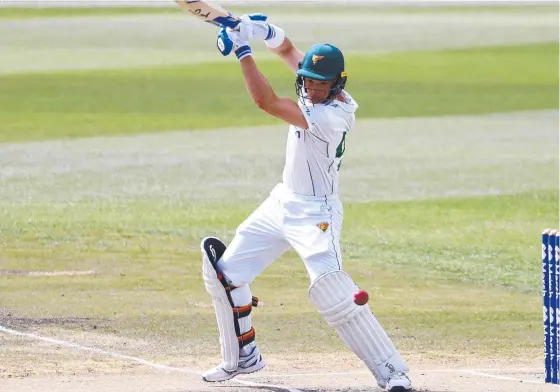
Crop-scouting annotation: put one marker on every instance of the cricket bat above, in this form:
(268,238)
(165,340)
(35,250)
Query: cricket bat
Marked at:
(210,13)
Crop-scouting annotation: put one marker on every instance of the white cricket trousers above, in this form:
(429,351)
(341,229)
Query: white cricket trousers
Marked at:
(310,225)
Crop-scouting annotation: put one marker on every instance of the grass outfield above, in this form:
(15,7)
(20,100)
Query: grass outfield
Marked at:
(448,277)
(441,273)
(98,103)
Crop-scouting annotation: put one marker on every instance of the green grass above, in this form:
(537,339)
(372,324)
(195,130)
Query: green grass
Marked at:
(99,103)
(442,274)
(56,12)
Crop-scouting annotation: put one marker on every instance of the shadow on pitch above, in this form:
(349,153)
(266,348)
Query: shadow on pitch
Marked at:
(284,389)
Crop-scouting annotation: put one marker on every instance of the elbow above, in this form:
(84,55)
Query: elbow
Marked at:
(262,103)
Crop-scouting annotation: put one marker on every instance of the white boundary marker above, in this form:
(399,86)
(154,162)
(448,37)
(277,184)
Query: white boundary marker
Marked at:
(243,380)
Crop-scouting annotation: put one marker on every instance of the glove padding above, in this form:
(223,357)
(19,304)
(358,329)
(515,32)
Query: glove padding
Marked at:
(229,40)
(254,27)
(257,27)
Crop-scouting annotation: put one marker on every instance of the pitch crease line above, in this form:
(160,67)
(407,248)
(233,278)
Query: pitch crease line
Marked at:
(477,372)
(131,358)
(513,370)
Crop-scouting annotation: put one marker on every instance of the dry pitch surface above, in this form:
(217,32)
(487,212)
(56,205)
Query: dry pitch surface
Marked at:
(80,361)
(99,363)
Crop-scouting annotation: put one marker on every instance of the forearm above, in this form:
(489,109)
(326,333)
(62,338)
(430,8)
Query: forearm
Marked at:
(289,53)
(260,90)
(285,49)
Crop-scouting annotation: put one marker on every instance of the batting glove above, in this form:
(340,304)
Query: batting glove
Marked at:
(229,40)
(256,27)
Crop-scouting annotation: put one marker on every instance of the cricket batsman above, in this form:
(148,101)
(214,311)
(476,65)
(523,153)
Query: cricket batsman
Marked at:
(303,212)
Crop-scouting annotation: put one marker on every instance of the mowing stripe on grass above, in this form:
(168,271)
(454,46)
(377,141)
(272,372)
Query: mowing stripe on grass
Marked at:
(136,40)
(395,159)
(421,84)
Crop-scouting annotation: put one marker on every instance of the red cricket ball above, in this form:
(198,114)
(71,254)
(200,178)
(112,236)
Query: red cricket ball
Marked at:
(361,297)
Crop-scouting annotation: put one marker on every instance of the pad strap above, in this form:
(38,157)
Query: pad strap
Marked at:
(240,312)
(244,311)
(246,338)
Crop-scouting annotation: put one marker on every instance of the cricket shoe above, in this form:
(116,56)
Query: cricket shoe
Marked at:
(399,383)
(247,364)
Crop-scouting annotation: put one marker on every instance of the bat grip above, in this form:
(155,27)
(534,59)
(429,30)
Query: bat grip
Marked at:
(230,21)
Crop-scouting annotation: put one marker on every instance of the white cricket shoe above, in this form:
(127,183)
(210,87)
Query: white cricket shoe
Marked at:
(399,383)
(247,364)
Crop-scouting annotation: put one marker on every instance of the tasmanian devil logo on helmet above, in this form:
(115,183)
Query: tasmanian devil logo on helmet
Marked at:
(316,58)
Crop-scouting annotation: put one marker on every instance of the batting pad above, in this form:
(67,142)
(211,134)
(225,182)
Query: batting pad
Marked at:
(224,315)
(332,295)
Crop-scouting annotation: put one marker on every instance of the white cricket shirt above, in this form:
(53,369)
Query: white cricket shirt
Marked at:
(313,155)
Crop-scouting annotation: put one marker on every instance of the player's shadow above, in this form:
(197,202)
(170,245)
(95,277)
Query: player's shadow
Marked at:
(250,388)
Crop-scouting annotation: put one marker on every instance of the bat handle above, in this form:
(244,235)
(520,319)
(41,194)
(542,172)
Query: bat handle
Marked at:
(230,21)
(233,27)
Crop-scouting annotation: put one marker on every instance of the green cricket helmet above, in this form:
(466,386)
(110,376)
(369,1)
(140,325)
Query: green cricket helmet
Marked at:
(322,62)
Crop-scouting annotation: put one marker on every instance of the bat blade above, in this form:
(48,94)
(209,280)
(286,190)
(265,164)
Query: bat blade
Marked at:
(210,13)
